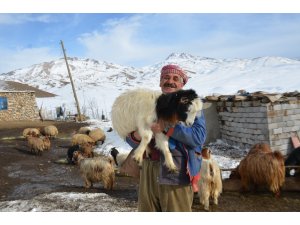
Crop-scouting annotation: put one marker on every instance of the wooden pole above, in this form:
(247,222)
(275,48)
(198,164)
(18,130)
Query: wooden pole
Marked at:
(72,83)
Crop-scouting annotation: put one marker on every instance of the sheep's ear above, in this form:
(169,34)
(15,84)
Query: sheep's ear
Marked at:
(198,104)
(184,100)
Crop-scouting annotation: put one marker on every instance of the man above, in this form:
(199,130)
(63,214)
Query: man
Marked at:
(159,189)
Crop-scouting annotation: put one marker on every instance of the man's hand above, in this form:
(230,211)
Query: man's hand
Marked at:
(136,136)
(157,127)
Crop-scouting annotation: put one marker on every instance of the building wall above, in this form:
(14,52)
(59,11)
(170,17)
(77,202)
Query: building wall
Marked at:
(20,106)
(211,120)
(244,123)
(283,122)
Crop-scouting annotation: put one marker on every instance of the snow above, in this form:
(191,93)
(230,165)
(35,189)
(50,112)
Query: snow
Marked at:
(99,83)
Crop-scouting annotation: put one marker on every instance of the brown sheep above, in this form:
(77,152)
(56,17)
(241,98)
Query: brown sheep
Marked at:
(47,143)
(262,168)
(260,147)
(96,169)
(79,139)
(36,145)
(87,150)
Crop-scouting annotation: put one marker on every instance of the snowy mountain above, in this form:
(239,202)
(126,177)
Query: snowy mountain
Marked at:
(98,83)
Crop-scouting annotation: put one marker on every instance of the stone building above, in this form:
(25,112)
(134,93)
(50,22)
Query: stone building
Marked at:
(18,105)
(248,119)
(18,101)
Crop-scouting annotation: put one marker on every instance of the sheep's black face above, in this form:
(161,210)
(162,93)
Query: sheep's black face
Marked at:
(114,152)
(187,109)
(178,106)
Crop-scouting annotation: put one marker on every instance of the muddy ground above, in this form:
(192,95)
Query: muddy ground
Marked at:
(25,176)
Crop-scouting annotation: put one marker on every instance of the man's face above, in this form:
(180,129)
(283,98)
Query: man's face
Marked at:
(170,83)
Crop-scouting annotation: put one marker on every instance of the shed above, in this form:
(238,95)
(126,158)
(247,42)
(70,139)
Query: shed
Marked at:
(246,119)
(18,101)
(18,105)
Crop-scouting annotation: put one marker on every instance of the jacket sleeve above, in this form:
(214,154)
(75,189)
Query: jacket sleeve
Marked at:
(193,136)
(132,141)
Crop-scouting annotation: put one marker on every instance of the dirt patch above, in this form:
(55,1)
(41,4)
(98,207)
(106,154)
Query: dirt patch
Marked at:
(26,176)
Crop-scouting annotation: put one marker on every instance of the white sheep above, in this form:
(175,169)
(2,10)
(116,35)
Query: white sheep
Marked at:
(210,183)
(97,135)
(84,130)
(31,132)
(50,131)
(136,110)
(96,169)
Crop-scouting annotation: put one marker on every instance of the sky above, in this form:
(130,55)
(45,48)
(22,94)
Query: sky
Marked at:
(141,39)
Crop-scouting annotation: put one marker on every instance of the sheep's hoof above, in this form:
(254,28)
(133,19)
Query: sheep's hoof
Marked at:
(206,208)
(138,160)
(173,169)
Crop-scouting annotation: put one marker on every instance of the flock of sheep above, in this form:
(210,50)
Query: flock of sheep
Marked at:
(92,168)
(261,167)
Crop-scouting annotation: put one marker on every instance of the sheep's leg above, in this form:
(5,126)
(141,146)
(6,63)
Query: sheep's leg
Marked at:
(163,145)
(147,151)
(139,151)
(245,184)
(204,197)
(206,203)
(88,184)
(215,197)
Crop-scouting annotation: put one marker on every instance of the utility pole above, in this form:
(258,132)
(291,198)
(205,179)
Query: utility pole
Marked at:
(73,87)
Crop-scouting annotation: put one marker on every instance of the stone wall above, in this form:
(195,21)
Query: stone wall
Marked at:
(20,106)
(245,123)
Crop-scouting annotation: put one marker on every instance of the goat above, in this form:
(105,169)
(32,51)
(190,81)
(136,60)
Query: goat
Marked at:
(85,149)
(118,158)
(210,183)
(138,109)
(96,169)
(261,167)
(70,152)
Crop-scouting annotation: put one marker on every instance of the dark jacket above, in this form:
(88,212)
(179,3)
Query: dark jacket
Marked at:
(185,144)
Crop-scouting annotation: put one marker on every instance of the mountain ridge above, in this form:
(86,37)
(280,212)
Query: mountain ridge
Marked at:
(98,83)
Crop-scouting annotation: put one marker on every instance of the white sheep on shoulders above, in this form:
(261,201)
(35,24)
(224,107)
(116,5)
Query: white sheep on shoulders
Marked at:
(136,110)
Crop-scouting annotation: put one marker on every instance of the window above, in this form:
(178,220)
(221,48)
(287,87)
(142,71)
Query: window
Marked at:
(3,103)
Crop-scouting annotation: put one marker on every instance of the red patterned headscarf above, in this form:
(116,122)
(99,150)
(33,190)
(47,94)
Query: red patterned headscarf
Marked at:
(175,70)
